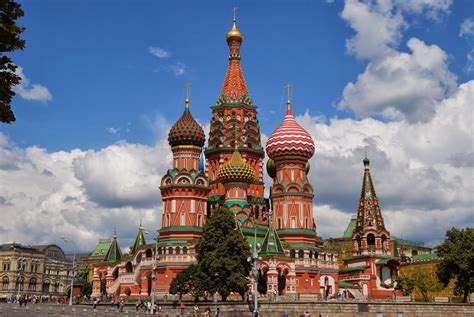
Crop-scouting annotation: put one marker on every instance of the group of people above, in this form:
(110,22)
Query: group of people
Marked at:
(147,307)
(25,299)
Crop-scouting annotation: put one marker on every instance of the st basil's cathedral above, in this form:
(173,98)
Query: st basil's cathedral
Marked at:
(230,175)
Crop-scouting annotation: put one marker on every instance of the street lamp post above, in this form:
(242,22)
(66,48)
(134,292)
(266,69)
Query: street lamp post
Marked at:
(153,274)
(21,261)
(255,249)
(73,266)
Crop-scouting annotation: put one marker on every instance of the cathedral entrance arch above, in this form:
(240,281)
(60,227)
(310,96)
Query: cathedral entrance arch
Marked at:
(282,274)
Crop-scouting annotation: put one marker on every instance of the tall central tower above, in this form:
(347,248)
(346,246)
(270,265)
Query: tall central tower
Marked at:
(234,126)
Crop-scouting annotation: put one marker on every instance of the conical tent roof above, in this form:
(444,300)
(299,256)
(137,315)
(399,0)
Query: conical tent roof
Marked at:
(113,253)
(139,240)
(272,244)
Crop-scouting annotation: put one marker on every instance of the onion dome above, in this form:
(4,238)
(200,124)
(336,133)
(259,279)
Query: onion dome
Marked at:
(186,131)
(290,139)
(271,168)
(236,170)
(234,34)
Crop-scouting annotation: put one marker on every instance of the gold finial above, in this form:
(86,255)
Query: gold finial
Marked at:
(188,86)
(234,34)
(140,226)
(288,101)
(115,233)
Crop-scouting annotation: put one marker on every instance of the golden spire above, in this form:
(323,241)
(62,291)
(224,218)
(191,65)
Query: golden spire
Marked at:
(288,101)
(188,86)
(234,34)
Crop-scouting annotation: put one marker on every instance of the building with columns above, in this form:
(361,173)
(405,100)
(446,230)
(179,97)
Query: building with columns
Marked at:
(228,173)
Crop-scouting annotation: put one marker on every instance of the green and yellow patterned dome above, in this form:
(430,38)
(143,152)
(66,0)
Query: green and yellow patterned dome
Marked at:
(236,170)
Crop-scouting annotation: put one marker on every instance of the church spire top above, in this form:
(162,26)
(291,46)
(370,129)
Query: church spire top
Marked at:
(288,100)
(234,34)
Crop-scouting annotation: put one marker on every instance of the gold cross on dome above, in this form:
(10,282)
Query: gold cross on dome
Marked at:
(188,87)
(235,13)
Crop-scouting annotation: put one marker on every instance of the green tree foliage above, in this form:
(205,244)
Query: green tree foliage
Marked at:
(9,41)
(421,282)
(222,256)
(86,289)
(183,283)
(457,253)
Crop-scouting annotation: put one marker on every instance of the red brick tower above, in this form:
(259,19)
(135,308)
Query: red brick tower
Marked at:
(184,188)
(289,148)
(371,268)
(234,124)
(370,235)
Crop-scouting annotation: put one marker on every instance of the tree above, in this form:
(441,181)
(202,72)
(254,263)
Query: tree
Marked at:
(421,281)
(86,289)
(222,256)
(457,254)
(9,41)
(183,283)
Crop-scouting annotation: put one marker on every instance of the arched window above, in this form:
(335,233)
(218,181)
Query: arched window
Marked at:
(129,267)
(301,254)
(178,250)
(310,254)
(371,239)
(6,283)
(32,285)
(46,286)
(257,212)
(159,251)
(359,242)
(292,253)
(384,242)
(148,253)
(56,287)
(185,250)
(170,250)
(19,284)
(316,254)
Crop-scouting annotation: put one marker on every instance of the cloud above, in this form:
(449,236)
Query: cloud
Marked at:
(31,91)
(178,68)
(159,52)
(80,194)
(395,85)
(402,85)
(377,28)
(422,173)
(467,28)
(113,130)
(432,9)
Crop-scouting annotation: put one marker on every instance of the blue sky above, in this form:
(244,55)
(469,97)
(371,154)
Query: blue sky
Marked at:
(94,59)
(103,80)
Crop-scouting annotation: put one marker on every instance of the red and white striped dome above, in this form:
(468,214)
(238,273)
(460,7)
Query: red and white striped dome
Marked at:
(290,139)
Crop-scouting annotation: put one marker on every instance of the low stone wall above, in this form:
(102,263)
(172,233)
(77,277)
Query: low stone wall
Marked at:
(317,309)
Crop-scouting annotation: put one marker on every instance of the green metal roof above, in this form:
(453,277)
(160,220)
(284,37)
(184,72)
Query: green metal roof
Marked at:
(272,244)
(425,257)
(181,228)
(139,240)
(113,253)
(350,228)
(344,284)
(407,242)
(173,242)
(353,269)
(303,246)
(101,248)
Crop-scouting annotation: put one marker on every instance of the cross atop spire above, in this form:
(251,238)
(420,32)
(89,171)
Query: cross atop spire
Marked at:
(188,87)
(288,100)
(234,9)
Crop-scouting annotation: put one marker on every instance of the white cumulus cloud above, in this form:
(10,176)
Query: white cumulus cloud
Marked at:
(159,52)
(30,91)
(467,27)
